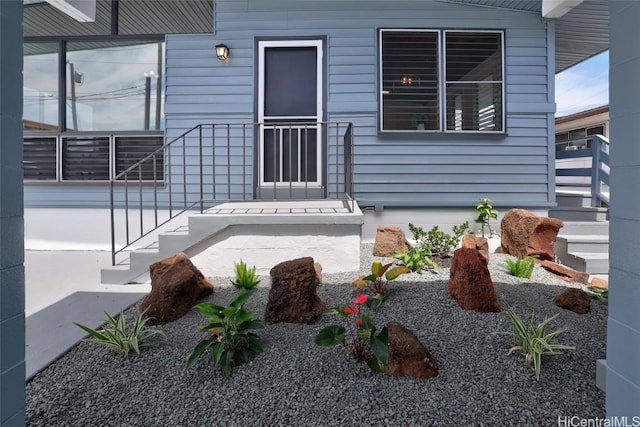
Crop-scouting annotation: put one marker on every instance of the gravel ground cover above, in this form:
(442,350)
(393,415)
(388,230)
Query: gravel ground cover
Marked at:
(296,383)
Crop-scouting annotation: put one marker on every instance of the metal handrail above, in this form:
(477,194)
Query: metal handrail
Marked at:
(595,147)
(210,164)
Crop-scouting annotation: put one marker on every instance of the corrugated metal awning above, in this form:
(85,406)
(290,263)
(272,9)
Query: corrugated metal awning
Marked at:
(133,17)
(580,34)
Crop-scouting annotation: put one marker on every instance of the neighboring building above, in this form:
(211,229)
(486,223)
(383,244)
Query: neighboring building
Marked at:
(581,125)
(575,132)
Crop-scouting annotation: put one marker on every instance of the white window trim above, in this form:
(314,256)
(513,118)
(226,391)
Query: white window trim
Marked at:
(442,82)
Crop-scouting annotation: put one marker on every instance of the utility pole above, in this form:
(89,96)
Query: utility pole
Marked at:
(74,111)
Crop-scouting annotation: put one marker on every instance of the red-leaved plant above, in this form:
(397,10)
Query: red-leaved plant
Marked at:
(367,346)
(376,282)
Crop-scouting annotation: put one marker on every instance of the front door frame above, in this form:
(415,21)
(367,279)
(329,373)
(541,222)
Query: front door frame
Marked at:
(317,42)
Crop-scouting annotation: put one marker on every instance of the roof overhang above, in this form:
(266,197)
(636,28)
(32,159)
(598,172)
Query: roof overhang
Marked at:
(581,26)
(80,10)
(558,8)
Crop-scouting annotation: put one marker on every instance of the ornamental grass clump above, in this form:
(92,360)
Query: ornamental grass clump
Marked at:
(114,333)
(367,345)
(376,282)
(246,277)
(521,267)
(230,342)
(533,342)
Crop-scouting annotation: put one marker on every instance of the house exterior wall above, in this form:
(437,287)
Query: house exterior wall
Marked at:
(418,170)
(12,339)
(623,326)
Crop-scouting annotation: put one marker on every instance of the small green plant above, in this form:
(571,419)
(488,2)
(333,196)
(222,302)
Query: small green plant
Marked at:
(375,282)
(532,341)
(416,259)
(246,277)
(486,212)
(230,342)
(367,345)
(598,294)
(114,333)
(521,267)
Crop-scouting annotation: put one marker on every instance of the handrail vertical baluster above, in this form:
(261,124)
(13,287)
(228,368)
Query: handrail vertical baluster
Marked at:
(201,169)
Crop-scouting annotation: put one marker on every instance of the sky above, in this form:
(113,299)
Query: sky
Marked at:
(583,86)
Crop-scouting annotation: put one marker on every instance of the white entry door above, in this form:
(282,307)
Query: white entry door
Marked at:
(290,99)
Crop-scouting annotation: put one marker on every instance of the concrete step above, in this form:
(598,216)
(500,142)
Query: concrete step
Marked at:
(573,199)
(582,243)
(594,263)
(591,228)
(576,213)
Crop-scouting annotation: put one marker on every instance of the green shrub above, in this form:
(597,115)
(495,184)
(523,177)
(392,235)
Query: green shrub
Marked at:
(532,341)
(114,333)
(230,343)
(246,277)
(429,244)
(521,267)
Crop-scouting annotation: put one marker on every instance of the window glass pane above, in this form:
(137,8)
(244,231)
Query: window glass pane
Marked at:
(114,86)
(597,130)
(473,81)
(410,99)
(40,86)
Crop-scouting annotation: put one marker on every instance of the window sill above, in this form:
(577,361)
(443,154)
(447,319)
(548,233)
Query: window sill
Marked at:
(422,135)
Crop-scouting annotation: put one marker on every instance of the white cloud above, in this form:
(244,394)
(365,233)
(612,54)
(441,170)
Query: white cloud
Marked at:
(583,86)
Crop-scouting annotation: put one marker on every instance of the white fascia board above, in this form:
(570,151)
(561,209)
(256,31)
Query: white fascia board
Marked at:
(558,8)
(80,10)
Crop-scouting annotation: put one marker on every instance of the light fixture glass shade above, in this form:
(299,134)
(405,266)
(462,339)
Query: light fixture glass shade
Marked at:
(222,52)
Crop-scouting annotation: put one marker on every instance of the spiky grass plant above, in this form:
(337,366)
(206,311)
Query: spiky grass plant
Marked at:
(246,277)
(532,341)
(521,267)
(114,333)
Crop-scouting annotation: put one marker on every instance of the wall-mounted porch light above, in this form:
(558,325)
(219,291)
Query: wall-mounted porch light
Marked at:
(222,52)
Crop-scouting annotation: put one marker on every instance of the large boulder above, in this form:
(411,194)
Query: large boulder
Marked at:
(176,286)
(470,283)
(574,299)
(407,355)
(293,297)
(523,234)
(389,240)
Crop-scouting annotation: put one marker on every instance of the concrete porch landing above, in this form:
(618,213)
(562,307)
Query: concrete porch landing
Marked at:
(261,233)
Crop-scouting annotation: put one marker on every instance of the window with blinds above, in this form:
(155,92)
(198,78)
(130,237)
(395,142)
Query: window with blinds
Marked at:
(40,159)
(130,150)
(441,81)
(93,158)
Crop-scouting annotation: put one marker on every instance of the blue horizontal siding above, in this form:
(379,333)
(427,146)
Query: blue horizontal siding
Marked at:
(393,170)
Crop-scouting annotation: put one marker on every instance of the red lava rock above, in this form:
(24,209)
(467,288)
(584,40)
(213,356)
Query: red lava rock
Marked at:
(407,355)
(389,240)
(176,286)
(470,283)
(523,233)
(293,297)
